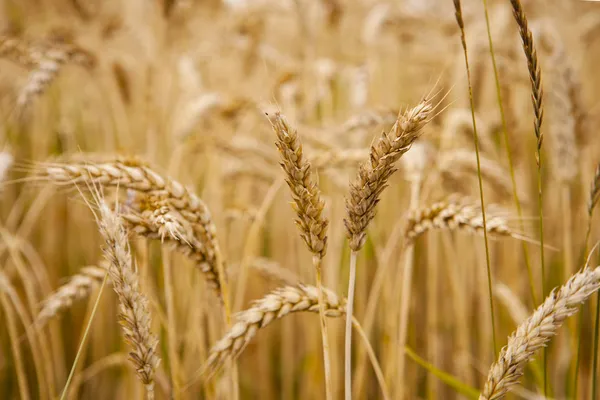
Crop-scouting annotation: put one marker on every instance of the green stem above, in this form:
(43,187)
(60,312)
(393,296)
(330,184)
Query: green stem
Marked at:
(83,339)
(476,139)
(509,153)
(462,388)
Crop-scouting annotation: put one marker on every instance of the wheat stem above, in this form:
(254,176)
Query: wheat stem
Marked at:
(460,22)
(509,152)
(348,336)
(84,338)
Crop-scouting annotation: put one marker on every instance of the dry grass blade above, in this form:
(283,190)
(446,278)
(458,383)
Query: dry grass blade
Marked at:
(78,287)
(134,313)
(535,332)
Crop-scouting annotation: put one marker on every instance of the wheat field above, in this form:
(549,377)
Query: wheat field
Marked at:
(299,199)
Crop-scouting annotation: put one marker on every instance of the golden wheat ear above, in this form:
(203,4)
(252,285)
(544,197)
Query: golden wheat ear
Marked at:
(134,312)
(535,332)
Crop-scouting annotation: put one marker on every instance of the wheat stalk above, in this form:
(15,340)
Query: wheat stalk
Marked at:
(364,195)
(134,313)
(309,209)
(535,332)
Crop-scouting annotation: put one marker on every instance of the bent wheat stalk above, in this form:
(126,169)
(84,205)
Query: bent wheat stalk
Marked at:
(535,332)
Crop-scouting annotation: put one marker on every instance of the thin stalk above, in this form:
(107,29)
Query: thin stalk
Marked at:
(595,359)
(326,360)
(460,22)
(580,326)
(84,338)
(371,353)
(172,331)
(537,95)
(406,297)
(509,153)
(14,343)
(349,315)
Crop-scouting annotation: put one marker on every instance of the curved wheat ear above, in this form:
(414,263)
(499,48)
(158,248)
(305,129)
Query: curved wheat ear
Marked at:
(155,219)
(537,330)
(77,288)
(457,214)
(134,313)
(134,175)
(373,176)
(275,305)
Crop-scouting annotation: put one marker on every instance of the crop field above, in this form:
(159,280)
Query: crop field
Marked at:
(299,199)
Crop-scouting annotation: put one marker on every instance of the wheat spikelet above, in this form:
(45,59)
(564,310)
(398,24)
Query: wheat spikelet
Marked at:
(457,214)
(373,176)
(134,313)
(307,197)
(137,176)
(78,287)
(309,209)
(155,219)
(537,330)
(535,73)
(275,305)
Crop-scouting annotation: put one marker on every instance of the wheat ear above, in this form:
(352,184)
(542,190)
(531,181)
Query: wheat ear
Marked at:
(309,209)
(537,330)
(364,195)
(154,218)
(537,95)
(137,176)
(458,214)
(134,313)
(78,287)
